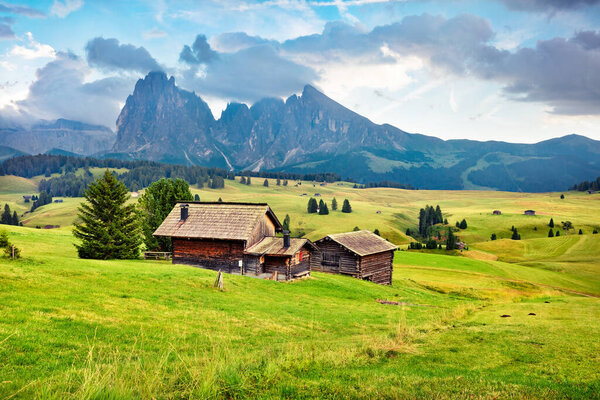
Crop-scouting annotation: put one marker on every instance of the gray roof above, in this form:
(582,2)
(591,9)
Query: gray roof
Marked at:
(233,221)
(273,246)
(362,242)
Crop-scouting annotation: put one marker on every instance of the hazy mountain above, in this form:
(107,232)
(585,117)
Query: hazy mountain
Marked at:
(312,133)
(62,134)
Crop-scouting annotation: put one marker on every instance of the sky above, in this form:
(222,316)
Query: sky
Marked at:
(511,70)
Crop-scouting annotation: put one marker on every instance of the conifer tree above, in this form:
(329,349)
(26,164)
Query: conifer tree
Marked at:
(515,235)
(334,204)
(243,180)
(346,207)
(557,233)
(196,197)
(107,227)
(463,224)
(450,240)
(286,222)
(551,224)
(550,233)
(376,231)
(493,237)
(248,181)
(312,206)
(356,229)
(6,218)
(15,219)
(285,182)
(323,210)
(278,181)
(580,232)
(266,183)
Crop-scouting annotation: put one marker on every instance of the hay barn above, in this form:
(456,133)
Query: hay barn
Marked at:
(361,254)
(235,238)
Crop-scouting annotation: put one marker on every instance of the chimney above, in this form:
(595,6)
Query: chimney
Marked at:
(286,239)
(184,211)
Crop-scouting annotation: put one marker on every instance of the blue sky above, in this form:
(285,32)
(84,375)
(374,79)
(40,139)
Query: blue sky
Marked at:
(515,70)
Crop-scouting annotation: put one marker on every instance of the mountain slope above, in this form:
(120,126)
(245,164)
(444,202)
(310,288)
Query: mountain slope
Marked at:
(72,136)
(312,133)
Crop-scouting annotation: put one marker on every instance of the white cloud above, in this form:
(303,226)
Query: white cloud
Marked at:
(63,8)
(33,50)
(154,33)
(452,102)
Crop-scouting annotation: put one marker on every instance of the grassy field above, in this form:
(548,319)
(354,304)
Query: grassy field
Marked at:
(72,328)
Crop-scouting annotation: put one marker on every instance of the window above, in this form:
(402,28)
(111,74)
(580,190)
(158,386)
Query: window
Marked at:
(330,259)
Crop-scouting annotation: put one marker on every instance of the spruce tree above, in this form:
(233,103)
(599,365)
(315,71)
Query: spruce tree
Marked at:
(323,209)
(346,207)
(515,235)
(108,227)
(278,181)
(550,233)
(266,183)
(493,237)
(376,231)
(196,197)
(243,180)
(334,204)
(356,229)
(6,218)
(557,233)
(445,221)
(15,219)
(580,232)
(286,222)
(551,224)
(463,224)
(450,240)
(285,182)
(155,204)
(312,206)
(248,181)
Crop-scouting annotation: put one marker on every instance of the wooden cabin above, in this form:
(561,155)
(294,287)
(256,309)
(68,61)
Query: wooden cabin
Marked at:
(234,238)
(361,254)
(497,212)
(529,212)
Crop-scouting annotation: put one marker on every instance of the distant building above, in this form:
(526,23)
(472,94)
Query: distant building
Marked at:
(27,197)
(58,200)
(378,212)
(461,245)
(529,212)
(497,212)
(591,191)
(317,194)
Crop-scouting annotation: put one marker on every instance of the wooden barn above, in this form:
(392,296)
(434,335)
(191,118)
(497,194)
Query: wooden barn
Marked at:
(529,212)
(361,254)
(235,238)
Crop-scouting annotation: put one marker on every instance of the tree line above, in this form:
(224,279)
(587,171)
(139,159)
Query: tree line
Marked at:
(8,217)
(322,209)
(587,185)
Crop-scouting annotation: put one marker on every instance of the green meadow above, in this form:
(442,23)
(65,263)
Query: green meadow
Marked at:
(89,329)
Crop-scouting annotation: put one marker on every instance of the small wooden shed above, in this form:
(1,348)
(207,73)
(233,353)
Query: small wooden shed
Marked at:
(497,212)
(529,212)
(289,257)
(361,254)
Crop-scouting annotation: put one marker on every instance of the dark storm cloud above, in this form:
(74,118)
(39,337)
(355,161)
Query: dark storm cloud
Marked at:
(245,75)
(22,10)
(110,54)
(548,5)
(60,91)
(199,53)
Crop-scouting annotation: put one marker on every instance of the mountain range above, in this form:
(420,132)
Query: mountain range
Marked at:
(312,133)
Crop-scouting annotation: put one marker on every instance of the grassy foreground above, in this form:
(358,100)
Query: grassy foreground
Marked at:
(72,328)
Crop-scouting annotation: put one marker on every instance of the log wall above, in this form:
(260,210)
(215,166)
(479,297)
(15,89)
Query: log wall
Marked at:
(265,227)
(334,258)
(378,267)
(212,254)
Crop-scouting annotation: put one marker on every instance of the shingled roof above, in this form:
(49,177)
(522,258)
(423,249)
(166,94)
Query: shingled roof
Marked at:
(362,243)
(233,221)
(273,246)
